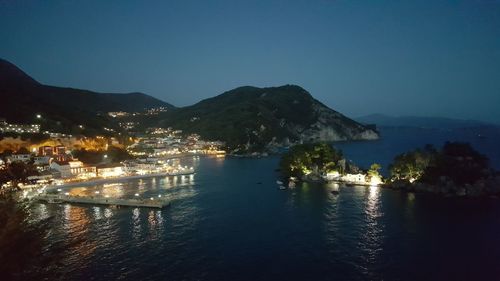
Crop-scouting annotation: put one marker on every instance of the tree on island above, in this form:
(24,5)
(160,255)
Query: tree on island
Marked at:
(457,162)
(304,159)
(374,170)
(373,174)
(410,166)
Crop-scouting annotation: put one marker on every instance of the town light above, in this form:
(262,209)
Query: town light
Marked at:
(66,193)
(137,194)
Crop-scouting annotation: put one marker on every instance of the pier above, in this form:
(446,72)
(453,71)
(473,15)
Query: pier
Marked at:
(146,203)
(118,179)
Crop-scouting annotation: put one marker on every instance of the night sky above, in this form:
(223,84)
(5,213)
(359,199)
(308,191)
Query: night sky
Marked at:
(435,58)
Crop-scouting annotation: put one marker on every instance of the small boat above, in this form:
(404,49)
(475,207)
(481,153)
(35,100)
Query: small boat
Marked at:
(279,182)
(282,187)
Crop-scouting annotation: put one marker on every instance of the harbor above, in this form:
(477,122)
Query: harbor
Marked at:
(187,172)
(92,200)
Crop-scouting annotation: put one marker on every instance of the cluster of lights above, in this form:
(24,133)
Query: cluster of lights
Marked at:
(18,128)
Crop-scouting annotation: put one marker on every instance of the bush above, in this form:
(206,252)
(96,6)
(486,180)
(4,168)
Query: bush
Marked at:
(303,159)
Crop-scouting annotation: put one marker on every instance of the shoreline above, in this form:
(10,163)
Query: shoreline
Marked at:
(117,179)
(478,190)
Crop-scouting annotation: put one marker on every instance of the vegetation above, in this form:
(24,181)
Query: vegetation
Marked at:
(113,154)
(456,162)
(15,173)
(26,136)
(303,159)
(24,254)
(410,166)
(249,118)
(374,172)
(62,109)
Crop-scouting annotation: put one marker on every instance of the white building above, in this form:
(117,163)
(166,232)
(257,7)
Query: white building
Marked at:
(334,175)
(42,160)
(73,169)
(354,178)
(110,171)
(19,158)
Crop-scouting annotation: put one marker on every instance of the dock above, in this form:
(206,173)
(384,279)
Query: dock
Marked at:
(118,179)
(145,203)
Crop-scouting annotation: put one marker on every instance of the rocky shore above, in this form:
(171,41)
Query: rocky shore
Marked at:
(483,187)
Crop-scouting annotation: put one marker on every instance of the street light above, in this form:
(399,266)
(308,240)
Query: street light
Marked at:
(38,116)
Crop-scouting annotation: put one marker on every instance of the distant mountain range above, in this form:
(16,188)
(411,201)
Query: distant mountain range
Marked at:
(23,97)
(258,117)
(382,120)
(245,118)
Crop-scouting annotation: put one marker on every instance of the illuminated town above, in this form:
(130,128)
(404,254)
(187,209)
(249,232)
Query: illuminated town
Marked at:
(155,153)
(249,140)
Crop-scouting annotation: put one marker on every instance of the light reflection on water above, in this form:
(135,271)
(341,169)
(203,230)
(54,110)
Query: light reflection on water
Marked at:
(371,243)
(223,223)
(136,223)
(97,213)
(76,226)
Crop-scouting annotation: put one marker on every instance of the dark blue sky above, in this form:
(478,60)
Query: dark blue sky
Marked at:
(439,58)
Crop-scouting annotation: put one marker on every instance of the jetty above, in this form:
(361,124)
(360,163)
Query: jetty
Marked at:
(118,179)
(146,203)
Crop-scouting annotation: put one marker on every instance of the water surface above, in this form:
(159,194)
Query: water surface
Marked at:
(230,222)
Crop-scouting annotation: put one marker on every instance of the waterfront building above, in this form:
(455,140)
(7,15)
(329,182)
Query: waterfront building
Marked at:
(74,168)
(110,170)
(43,177)
(334,175)
(41,160)
(354,178)
(24,157)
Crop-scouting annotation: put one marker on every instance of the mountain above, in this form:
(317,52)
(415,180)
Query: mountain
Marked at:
(259,117)
(419,122)
(23,98)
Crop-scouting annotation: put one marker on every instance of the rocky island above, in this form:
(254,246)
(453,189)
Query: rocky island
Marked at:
(457,169)
(315,162)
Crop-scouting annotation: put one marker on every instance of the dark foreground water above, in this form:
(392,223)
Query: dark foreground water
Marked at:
(230,222)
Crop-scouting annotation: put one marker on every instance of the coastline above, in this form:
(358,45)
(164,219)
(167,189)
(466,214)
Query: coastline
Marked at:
(483,188)
(117,179)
